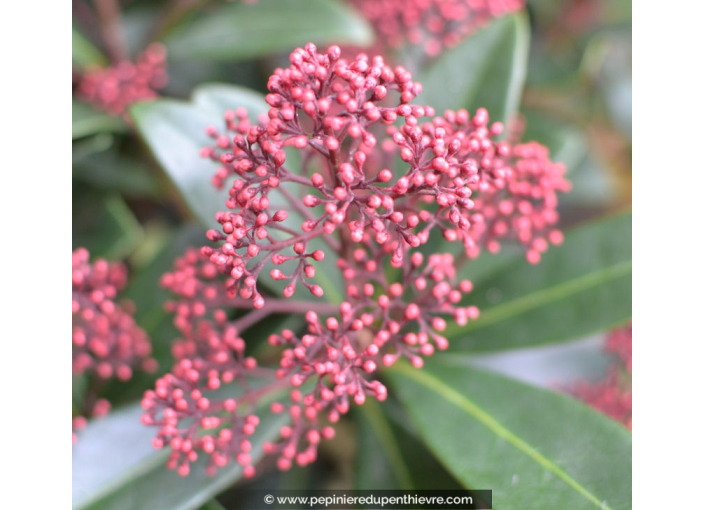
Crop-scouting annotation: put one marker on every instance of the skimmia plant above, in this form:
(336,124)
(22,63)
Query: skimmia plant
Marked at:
(380,177)
(366,231)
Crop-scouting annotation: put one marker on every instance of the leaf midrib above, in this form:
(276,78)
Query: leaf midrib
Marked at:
(475,411)
(548,295)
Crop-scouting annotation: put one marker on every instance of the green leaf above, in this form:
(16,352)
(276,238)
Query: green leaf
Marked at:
(143,288)
(390,455)
(87,121)
(106,227)
(97,161)
(174,131)
(380,462)
(83,52)
(568,145)
(79,387)
(548,366)
(580,287)
(486,70)
(243,31)
(90,146)
(110,453)
(533,448)
(213,504)
(115,467)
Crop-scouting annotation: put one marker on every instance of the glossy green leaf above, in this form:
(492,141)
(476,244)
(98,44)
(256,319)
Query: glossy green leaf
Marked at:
(83,52)
(548,366)
(175,132)
(87,121)
(390,455)
(241,31)
(486,70)
(115,467)
(111,453)
(580,287)
(533,448)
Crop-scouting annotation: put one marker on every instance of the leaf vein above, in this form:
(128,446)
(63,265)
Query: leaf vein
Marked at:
(475,411)
(548,295)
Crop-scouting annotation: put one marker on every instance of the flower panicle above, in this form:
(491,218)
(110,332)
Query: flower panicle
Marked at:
(327,108)
(106,341)
(381,179)
(327,369)
(209,426)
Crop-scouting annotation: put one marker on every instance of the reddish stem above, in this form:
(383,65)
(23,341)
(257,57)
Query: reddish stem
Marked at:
(287,306)
(111,26)
(252,396)
(296,204)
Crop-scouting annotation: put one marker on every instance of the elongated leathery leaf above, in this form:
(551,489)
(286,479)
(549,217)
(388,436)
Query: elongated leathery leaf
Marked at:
(533,448)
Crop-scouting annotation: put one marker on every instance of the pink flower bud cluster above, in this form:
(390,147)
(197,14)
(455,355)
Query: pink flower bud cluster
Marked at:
(378,175)
(318,105)
(106,340)
(200,314)
(432,24)
(193,419)
(620,343)
(513,187)
(330,110)
(191,423)
(300,439)
(381,322)
(338,356)
(613,395)
(113,89)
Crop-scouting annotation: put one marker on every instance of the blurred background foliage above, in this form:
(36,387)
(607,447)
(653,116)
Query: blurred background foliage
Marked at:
(576,100)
